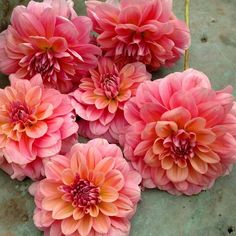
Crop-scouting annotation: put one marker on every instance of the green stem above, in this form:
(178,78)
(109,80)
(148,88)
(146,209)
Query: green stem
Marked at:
(187,20)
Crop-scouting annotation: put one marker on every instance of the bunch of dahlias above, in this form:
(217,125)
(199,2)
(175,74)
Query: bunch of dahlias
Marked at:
(89,76)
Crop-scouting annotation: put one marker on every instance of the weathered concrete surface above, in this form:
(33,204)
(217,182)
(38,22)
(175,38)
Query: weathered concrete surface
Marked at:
(211,213)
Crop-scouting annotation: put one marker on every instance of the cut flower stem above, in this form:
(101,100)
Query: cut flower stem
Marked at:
(187,20)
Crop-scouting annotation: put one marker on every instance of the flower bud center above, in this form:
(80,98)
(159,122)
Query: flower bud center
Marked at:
(82,193)
(20,113)
(45,64)
(181,144)
(110,84)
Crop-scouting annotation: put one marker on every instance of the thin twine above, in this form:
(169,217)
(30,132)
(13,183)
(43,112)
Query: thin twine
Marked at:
(187,20)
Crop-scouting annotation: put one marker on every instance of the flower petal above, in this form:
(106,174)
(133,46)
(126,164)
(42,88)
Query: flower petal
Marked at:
(98,178)
(167,163)
(33,96)
(101,102)
(69,226)
(37,130)
(142,147)
(209,157)
(60,212)
(178,100)
(151,112)
(195,124)
(178,115)
(130,15)
(78,213)
(105,165)
(166,128)
(67,177)
(94,210)
(85,225)
(177,174)
(89,98)
(108,194)
(108,209)
(49,203)
(113,106)
(101,223)
(49,188)
(205,137)
(115,179)
(131,111)
(199,165)
(44,111)
(158,147)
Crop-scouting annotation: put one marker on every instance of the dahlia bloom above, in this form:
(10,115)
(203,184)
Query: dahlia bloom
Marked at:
(139,30)
(34,124)
(100,98)
(50,39)
(182,133)
(91,191)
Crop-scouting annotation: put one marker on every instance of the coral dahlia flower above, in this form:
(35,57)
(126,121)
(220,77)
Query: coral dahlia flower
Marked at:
(91,191)
(100,98)
(182,133)
(48,38)
(139,30)
(34,124)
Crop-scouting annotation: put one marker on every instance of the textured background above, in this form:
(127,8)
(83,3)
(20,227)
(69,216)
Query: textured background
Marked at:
(211,213)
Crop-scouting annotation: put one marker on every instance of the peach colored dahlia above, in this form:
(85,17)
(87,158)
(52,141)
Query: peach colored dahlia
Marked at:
(91,191)
(48,38)
(182,133)
(100,98)
(34,124)
(139,30)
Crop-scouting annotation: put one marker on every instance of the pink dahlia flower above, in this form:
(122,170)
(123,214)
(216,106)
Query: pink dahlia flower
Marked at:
(50,39)
(91,191)
(139,30)
(182,133)
(100,98)
(34,124)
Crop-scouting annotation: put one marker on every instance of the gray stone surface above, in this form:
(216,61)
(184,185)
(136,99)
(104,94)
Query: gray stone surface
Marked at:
(211,213)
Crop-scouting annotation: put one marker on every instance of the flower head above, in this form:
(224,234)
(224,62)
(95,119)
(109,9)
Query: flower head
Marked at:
(50,39)
(139,30)
(34,123)
(100,98)
(91,191)
(181,134)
